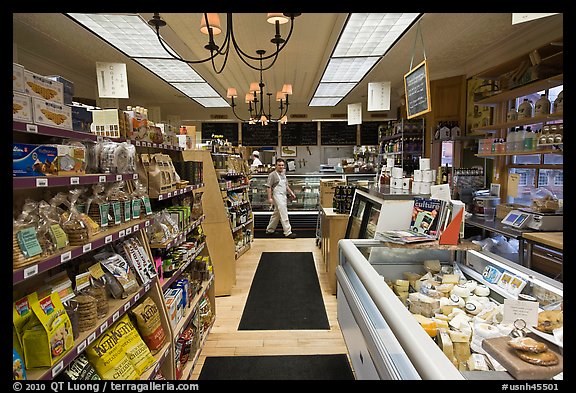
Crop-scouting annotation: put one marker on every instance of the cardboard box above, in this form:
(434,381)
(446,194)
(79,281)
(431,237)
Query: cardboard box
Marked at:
(33,160)
(81,119)
(111,123)
(17,78)
(52,114)
(71,160)
(21,107)
(327,189)
(39,86)
(67,85)
(503,209)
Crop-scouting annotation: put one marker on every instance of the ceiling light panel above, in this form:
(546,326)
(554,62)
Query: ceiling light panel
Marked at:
(348,69)
(171,70)
(212,102)
(129,33)
(325,101)
(195,90)
(372,34)
(334,89)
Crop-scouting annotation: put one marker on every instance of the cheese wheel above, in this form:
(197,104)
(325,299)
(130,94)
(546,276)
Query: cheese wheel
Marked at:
(471,285)
(485,330)
(482,290)
(460,290)
(473,307)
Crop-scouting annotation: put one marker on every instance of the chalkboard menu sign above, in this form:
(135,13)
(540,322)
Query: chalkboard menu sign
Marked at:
(417,90)
(259,135)
(369,132)
(227,130)
(337,133)
(299,134)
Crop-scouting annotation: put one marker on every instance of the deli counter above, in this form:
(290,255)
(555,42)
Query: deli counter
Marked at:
(393,331)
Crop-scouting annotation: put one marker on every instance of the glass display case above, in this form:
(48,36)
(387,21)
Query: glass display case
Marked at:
(386,339)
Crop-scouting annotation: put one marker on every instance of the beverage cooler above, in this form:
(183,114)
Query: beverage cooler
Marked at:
(386,340)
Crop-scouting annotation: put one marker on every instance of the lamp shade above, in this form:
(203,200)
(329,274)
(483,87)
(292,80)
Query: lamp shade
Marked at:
(287,89)
(277,17)
(231,93)
(263,120)
(213,21)
(254,87)
(280,96)
(249,97)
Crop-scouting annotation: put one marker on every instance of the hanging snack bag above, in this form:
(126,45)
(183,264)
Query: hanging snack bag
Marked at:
(149,325)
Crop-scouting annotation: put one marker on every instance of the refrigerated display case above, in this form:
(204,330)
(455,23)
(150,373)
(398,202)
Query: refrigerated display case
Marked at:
(304,210)
(386,341)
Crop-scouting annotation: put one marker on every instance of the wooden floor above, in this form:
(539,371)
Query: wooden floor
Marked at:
(224,338)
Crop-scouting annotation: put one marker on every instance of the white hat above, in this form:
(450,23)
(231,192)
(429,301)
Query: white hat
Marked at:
(255,153)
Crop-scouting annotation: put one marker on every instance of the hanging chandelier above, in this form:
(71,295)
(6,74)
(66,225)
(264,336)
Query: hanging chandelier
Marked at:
(255,100)
(210,25)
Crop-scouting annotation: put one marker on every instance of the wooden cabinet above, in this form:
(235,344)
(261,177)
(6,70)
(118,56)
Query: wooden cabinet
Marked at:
(333,229)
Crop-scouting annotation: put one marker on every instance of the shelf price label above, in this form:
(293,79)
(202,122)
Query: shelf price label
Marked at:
(30,271)
(87,248)
(122,233)
(102,179)
(57,368)
(41,182)
(118,177)
(91,338)
(104,326)
(74,180)
(128,231)
(126,306)
(81,347)
(66,257)
(108,239)
(115,316)
(32,128)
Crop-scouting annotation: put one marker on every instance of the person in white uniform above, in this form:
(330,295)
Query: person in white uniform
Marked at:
(256,160)
(278,189)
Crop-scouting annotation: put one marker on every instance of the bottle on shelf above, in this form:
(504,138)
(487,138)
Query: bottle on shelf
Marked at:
(511,140)
(559,102)
(512,114)
(529,139)
(525,109)
(542,106)
(519,142)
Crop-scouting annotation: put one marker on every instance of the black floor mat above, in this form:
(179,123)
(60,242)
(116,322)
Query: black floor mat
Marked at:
(289,367)
(285,294)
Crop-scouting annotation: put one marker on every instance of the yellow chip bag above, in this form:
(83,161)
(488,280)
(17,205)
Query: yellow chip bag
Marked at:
(133,345)
(107,356)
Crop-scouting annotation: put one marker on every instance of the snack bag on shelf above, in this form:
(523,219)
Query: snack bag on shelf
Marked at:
(120,204)
(26,248)
(120,270)
(149,325)
(51,235)
(98,206)
(78,226)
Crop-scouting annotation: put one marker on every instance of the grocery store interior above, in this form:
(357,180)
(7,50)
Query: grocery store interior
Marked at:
(412,164)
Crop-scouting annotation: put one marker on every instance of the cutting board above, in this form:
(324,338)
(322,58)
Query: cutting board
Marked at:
(499,349)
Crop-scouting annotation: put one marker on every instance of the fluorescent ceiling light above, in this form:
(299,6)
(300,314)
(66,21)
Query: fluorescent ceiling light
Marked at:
(171,70)
(365,39)
(212,102)
(128,33)
(325,101)
(348,69)
(195,90)
(334,89)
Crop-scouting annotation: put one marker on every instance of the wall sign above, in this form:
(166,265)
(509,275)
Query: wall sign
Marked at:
(112,80)
(300,134)
(337,133)
(259,135)
(417,91)
(227,130)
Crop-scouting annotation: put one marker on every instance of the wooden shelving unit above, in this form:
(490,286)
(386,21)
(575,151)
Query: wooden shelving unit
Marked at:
(216,225)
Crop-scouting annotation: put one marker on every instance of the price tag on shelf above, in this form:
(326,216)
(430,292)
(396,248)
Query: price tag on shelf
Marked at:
(160,197)
(122,233)
(128,231)
(170,195)
(102,179)
(134,176)
(30,271)
(87,248)
(115,316)
(136,297)
(91,338)
(147,224)
(118,177)
(108,239)
(126,306)
(136,228)
(104,326)
(32,128)
(137,143)
(74,180)
(81,347)
(66,257)
(57,368)
(146,287)
(41,182)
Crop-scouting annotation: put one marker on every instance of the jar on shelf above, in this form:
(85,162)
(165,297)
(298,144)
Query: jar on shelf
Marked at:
(525,109)
(512,114)
(542,106)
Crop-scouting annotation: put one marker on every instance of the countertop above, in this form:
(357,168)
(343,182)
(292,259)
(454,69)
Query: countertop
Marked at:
(552,239)
(329,212)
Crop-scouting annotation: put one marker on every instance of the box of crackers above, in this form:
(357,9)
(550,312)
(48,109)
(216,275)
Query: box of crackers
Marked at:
(51,114)
(39,86)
